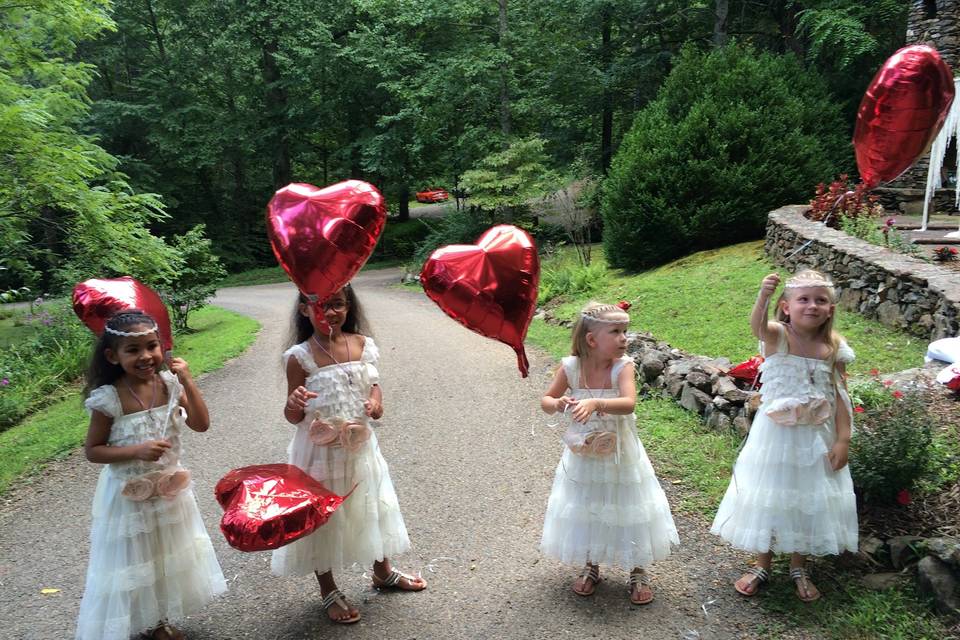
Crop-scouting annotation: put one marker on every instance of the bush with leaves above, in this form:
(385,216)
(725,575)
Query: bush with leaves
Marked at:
(458,227)
(732,135)
(504,183)
(197,278)
(890,448)
(831,204)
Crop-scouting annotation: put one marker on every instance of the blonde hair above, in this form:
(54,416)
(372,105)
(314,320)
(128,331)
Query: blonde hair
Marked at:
(591,316)
(809,278)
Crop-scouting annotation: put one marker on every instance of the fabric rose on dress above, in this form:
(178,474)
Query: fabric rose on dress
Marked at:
(171,482)
(323,433)
(141,487)
(600,443)
(790,412)
(353,435)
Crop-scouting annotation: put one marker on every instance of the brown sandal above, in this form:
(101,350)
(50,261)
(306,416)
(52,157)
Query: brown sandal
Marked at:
(336,597)
(759,578)
(638,580)
(392,581)
(164,632)
(802,579)
(591,578)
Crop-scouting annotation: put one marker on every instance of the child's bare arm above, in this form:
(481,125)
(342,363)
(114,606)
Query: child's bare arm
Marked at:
(622,405)
(97,450)
(297,395)
(554,399)
(759,319)
(198,416)
(841,448)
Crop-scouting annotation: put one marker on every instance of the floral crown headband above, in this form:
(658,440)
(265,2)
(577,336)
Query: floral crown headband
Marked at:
(620,314)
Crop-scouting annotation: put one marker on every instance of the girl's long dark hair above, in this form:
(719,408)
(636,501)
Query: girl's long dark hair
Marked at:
(301,328)
(101,371)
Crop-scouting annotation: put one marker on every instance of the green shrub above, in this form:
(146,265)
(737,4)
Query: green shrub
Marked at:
(458,227)
(196,278)
(890,450)
(732,135)
(399,240)
(35,370)
(570,279)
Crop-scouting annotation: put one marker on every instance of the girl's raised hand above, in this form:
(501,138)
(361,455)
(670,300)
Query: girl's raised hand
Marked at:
(178,366)
(151,450)
(299,398)
(769,285)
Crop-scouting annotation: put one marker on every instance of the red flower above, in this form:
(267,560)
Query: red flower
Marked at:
(874,372)
(890,222)
(623,304)
(887,383)
(953,250)
(898,394)
(858,409)
(903,497)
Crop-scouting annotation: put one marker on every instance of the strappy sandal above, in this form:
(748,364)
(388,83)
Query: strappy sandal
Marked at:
(164,632)
(336,597)
(639,579)
(760,577)
(591,577)
(802,579)
(392,581)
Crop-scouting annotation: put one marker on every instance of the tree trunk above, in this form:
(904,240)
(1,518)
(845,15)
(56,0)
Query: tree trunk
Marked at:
(156,33)
(720,22)
(504,87)
(404,196)
(276,108)
(606,118)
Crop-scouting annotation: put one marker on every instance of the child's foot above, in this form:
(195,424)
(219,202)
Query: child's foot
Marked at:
(398,580)
(806,590)
(588,580)
(640,591)
(165,632)
(750,582)
(338,609)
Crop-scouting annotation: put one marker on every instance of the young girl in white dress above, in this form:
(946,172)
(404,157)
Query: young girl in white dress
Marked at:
(791,490)
(151,560)
(606,506)
(333,394)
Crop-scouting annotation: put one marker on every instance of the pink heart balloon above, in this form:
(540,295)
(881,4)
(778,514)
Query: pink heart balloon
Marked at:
(489,287)
(322,237)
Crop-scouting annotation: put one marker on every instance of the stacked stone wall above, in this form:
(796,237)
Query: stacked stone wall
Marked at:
(896,289)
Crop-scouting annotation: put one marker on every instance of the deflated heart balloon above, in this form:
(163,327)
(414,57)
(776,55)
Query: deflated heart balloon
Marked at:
(322,237)
(266,506)
(489,287)
(901,112)
(95,300)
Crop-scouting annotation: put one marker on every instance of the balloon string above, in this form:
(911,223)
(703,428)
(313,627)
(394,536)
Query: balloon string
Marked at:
(826,219)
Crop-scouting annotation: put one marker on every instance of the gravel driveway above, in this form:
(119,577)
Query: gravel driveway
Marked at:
(472,458)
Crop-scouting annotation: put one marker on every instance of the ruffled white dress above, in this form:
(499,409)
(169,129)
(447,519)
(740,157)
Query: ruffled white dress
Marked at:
(606,505)
(368,526)
(150,561)
(784,495)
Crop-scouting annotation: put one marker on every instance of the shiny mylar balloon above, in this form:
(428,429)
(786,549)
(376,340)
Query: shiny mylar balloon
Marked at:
(266,506)
(95,300)
(489,287)
(322,237)
(901,112)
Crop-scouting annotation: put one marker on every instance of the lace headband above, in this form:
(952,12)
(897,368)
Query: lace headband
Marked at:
(623,317)
(798,283)
(131,334)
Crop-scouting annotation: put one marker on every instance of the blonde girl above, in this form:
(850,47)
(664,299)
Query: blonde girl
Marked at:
(791,490)
(606,506)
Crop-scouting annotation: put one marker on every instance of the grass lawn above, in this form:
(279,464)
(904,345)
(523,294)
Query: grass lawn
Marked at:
(701,304)
(60,428)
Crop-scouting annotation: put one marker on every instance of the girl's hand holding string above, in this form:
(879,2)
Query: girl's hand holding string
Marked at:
(563,403)
(583,409)
(151,450)
(179,368)
(297,401)
(768,286)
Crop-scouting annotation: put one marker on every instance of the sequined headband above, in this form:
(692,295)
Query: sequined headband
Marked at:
(131,334)
(624,317)
(808,282)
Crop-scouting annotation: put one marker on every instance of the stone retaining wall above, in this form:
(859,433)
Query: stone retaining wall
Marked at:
(898,290)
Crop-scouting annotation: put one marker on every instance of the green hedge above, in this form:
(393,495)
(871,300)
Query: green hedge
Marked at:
(732,135)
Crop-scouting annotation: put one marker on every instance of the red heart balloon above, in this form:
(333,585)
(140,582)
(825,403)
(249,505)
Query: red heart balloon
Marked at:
(95,300)
(901,113)
(266,506)
(489,287)
(322,237)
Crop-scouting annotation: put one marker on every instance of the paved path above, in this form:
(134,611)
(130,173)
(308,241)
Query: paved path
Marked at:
(473,462)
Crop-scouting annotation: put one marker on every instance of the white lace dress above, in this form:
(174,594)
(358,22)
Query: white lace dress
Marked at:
(606,505)
(150,560)
(368,526)
(784,495)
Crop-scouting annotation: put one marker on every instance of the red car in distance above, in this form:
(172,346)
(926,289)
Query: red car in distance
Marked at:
(432,194)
